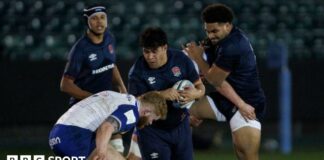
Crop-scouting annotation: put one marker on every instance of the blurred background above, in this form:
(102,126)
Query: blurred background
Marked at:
(287,36)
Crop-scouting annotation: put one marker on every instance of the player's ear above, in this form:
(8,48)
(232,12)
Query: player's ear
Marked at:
(165,47)
(228,26)
(147,112)
(157,117)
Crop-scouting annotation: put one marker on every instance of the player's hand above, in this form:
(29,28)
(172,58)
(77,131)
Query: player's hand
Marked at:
(132,156)
(247,111)
(170,94)
(188,94)
(194,51)
(194,121)
(101,156)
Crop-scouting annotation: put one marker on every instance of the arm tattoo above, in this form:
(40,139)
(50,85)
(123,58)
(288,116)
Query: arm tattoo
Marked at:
(114,122)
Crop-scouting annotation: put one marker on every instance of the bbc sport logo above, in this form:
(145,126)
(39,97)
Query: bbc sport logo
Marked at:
(43,157)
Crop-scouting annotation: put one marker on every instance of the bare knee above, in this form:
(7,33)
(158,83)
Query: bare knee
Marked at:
(246,143)
(246,152)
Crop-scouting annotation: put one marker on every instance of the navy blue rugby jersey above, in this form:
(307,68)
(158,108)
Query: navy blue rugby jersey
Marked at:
(235,54)
(91,65)
(143,79)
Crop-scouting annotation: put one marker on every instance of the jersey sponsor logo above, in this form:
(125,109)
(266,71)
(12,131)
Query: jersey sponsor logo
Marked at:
(103,69)
(151,80)
(93,57)
(54,141)
(176,71)
(130,117)
(111,49)
(154,155)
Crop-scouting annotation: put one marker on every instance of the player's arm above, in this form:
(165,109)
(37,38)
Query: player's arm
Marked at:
(195,53)
(116,139)
(118,81)
(199,89)
(68,86)
(103,135)
(217,77)
(72,70)
(170,94)
(193,93)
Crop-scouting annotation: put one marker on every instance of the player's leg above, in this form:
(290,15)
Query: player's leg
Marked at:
(154,144)
(66,140)
(246,136)
(205,108)
(183,148)
(246,143)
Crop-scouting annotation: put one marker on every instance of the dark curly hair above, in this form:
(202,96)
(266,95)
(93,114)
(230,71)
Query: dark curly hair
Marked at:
(153,37)
(217,13)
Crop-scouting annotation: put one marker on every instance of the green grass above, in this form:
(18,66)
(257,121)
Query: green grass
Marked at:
(212,154)
(315,154)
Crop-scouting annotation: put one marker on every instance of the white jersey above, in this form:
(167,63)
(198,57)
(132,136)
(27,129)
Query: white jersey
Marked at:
(92,111)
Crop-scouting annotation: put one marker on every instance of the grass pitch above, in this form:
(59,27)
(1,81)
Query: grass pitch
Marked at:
(212,154)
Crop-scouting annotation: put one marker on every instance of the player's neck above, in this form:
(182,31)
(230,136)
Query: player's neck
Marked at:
(95,38)
(164,60)
(230,28)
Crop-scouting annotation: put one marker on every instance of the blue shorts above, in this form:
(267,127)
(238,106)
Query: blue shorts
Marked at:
(173,144)
(67,140)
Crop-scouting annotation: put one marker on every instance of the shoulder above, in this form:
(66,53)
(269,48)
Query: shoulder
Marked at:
(177,55)
(108,34)
(237,35)
(235,42)
(123,101)
(137,66)
(78,48)
(109,37)
(117,98)
(175,52)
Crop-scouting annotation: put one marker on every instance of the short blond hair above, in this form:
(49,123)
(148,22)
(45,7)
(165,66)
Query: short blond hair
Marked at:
(158,101)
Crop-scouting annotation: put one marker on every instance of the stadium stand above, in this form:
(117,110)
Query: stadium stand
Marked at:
(41,30)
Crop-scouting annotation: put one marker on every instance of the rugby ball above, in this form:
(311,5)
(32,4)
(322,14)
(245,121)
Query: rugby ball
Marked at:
(180,86)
